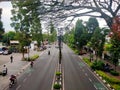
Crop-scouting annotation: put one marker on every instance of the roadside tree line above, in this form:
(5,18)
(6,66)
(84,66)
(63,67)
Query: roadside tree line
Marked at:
(26,22)
(89,34)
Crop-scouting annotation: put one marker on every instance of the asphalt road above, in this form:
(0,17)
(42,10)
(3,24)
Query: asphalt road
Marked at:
(40,77)
(77,75)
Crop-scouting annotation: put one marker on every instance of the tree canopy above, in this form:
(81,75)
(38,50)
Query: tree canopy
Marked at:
(1,30)
(80,34)
(62,9)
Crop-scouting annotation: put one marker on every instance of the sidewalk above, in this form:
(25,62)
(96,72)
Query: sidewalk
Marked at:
(15,68)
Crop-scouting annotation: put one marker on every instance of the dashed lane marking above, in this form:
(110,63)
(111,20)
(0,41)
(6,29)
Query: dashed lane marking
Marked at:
(90,80)
(95,87)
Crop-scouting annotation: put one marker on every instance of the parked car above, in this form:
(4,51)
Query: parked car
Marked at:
(1,51)
(6,52)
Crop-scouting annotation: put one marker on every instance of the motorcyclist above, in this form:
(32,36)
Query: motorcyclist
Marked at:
(49,52)
(12,79)
(31,63)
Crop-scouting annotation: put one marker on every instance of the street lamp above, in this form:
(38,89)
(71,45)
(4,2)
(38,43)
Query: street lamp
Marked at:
(59,43)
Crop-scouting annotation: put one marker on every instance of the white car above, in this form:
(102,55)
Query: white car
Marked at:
(1,51)
(6,52)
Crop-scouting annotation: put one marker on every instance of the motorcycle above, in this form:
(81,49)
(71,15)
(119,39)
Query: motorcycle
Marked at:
(31,64)
(48,52)
(11,84)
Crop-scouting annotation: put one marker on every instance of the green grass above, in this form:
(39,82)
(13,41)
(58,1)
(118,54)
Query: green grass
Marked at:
(87,61)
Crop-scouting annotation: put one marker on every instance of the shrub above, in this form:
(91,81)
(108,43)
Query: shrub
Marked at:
(115,73)
(116,86)
(87,61)
(57,86)
(76,51)
(32,58)
(58,73)
(97,65)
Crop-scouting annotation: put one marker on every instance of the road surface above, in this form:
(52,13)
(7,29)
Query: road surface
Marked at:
(77,75)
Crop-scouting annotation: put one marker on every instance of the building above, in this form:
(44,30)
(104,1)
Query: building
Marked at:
(33,45)
(14,44)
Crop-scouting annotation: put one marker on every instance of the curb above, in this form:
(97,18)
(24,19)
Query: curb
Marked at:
(22,69)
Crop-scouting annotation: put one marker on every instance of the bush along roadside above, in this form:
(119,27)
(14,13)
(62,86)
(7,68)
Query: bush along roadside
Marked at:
(101,70)
(110,81)
(58,79)
(31,58)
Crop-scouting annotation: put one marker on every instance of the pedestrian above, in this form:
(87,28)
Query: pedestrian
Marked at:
(5,70)
(11,58)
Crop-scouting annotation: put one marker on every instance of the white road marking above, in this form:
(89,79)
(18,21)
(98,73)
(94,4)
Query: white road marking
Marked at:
(90,80)
(18,87)
(95,86)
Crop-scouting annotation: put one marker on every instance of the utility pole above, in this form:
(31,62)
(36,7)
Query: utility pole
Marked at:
(59,43)
(60,53)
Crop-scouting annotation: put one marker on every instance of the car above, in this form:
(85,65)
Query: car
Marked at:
(6,52)
(1,51)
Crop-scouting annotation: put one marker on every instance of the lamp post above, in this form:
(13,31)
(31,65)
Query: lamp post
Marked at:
(59,43)
(60,53)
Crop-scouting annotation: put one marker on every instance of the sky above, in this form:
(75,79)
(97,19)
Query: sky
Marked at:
(6,15)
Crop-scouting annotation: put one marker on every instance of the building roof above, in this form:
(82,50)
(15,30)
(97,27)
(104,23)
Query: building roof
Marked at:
(14,41)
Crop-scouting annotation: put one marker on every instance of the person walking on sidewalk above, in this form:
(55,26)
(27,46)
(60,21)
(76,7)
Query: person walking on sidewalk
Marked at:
(11,58)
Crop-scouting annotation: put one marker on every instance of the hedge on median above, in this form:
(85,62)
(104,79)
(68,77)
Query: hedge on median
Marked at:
(57,86)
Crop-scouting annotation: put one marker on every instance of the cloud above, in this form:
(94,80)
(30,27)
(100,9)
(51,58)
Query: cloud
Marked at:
(6,15)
